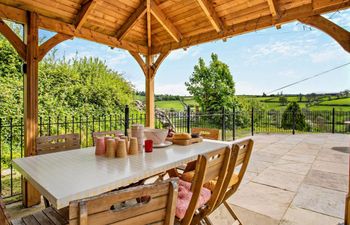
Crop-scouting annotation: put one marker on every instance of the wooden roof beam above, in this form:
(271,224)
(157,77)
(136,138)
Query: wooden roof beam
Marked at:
(12,37)
(131,21)
(248,26)
(273,8)
(165,22)
(338,33)
(85,10)
(210,12)
(149,31)
(20,16)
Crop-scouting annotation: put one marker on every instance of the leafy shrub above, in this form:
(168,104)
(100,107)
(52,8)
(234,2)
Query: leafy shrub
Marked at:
(293,109)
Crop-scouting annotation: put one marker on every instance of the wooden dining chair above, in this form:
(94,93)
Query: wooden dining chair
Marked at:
(157,206)
(233,180)
(112,133)
(206,133)
(210,167)
(48,216)
(4,218)
(57,143)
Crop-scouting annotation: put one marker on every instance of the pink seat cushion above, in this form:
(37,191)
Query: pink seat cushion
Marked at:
(184,198)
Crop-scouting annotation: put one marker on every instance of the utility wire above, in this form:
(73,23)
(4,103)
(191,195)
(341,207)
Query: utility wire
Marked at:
(310,77)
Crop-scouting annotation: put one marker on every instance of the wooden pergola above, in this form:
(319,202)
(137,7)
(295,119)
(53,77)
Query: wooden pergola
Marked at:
(149,30)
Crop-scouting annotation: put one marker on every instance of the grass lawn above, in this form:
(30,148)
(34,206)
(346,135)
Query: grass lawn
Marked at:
(175,104)
(343,101)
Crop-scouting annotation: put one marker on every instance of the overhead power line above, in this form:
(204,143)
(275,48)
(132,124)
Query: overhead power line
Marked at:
(310,77)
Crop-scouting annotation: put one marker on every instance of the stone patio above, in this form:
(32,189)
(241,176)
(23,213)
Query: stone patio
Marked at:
(291,180)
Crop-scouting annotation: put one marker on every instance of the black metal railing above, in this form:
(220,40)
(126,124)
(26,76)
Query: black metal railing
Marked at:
(232,124)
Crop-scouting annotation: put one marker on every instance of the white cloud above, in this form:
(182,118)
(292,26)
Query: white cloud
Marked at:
(180,53)
(284,48)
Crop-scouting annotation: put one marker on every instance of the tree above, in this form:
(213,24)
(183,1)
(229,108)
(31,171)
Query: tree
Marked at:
(283,100)
(293,109)
(212,86)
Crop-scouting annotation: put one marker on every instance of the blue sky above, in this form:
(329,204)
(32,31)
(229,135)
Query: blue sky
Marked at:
(259,61)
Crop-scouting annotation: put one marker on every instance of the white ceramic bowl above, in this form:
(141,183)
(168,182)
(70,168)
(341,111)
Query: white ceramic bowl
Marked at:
(158,136)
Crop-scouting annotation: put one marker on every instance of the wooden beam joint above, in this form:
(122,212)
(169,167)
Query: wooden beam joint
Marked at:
(13,38)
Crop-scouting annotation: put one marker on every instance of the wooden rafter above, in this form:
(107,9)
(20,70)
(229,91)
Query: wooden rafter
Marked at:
(85,10)
(210,12)
(338,33)
(246,27)
(273,8)
(132,20)
(52,42)
(20,16)
(165,22)
(12,37)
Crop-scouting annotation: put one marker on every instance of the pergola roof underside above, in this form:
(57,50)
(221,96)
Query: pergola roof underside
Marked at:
(186,19)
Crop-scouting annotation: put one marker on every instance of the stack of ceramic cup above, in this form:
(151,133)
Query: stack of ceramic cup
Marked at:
(137,132)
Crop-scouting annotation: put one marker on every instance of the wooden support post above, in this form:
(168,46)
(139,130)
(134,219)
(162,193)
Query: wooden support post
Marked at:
(150,115)
(30,195)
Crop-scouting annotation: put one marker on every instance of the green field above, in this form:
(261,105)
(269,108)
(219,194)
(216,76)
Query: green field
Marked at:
(343,101)
(272,102)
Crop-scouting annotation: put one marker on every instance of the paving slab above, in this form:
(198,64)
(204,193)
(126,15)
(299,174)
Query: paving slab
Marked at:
(320,200)
(332,167)
(275,150)
(298,216)
(328,180)
(279,179)
(262,199)
(291,166)
(333,156)
(257,166)
(265,156)
(248,217)
(304,158)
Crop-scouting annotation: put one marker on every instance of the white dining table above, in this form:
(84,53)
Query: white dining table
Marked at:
(71,175)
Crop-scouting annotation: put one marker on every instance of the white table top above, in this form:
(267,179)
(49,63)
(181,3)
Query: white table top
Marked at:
(66,176)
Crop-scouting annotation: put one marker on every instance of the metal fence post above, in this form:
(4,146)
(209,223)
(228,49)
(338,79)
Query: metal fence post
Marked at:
(188,122)
(223,125)
(126,120)
(252,122)
(293,114)
(234,123)
(333,121)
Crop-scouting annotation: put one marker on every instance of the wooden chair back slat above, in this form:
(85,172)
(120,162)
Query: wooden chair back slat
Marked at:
(207,133)
(158,206)
(51,144)
(210,166)
(4,218)
(112,133)
(244,149)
